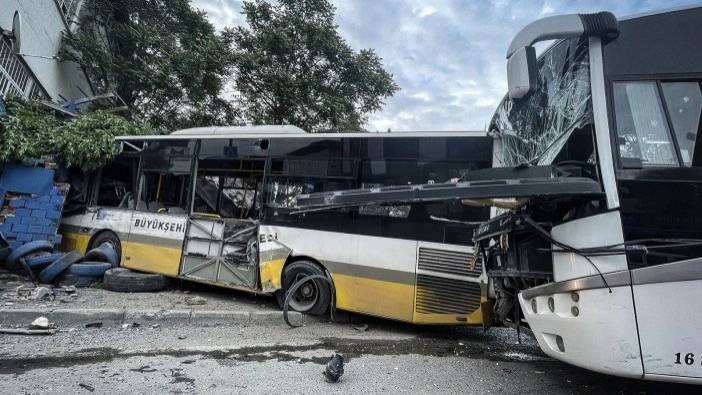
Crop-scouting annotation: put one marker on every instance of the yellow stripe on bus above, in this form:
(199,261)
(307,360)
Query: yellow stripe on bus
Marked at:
(151,258)
(271,274)
(380,298)
(74,241)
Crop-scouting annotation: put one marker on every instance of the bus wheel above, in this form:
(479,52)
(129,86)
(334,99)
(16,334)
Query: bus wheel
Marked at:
(107,237)
(312,297)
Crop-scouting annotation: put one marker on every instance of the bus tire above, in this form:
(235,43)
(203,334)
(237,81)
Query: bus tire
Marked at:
(124,280)
(107,237)
(314,297)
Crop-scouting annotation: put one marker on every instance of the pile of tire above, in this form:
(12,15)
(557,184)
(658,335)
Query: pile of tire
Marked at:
(48,266)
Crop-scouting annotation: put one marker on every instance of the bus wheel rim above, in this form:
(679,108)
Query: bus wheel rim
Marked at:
(306,297)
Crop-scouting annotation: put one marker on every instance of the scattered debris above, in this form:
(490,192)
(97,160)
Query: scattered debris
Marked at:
(335,368)
(11,331)
(144,369)
(155,326)
(182,337)
(40,323)
(361,328)
(69,289)
(195,300)
(40,293)
(97,324)
(87,387)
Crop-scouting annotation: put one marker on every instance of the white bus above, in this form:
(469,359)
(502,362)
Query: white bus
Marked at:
(214,205)
(596,238)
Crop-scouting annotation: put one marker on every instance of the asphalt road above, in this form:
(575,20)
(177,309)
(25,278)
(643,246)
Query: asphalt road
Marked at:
(387,357)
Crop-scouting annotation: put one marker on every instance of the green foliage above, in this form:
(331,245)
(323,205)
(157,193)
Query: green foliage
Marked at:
(31,131)
(293,67)
(161,56)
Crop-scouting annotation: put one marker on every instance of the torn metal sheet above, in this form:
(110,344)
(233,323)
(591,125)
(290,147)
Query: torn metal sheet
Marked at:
(534,129)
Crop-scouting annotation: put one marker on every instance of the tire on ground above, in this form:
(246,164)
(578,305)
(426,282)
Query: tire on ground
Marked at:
(58,266)
(302,269)
(89,268)
(125,280)
(32,248)
(108,237)
(43,259)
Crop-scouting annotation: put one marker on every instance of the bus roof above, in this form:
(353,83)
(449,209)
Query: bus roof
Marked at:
(286,131)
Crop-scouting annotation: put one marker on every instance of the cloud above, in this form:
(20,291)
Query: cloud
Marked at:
(448,56)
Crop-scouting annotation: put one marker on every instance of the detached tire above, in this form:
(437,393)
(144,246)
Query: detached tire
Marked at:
(313,297)
(125,280)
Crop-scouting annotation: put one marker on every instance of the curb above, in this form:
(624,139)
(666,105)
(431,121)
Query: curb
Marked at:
(64,318)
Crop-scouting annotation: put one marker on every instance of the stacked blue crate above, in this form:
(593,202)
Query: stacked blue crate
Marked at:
(31,217)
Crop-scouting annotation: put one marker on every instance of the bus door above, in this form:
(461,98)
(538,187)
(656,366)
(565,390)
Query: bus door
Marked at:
(158,224)
(660,187)
(222,238)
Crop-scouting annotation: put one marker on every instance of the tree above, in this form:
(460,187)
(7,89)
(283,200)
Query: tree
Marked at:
(31,130)
(162,57)
(293,67)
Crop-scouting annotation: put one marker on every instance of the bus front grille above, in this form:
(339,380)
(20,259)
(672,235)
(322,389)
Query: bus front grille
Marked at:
(436,295)
(448,262)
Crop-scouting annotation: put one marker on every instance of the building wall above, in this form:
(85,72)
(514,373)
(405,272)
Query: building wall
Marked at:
(43,24)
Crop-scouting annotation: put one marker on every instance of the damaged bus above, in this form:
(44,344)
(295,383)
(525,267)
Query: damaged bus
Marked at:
(216,205)
(595,238)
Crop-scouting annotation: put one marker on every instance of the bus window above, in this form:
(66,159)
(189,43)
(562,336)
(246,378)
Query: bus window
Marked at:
(684,102)
(164,192)
(227,195)
(641,125)
(116,183)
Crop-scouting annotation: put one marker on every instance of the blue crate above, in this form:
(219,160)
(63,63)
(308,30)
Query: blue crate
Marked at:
(29,220)
(58,199)
(20,228)
(53,214)
(33,204)
(23,212)
(44,198)
(14,244)
(24,237)
(50,230)
(35,229)
(39,213)
(12,220)
(56,239)
(10,234)
(17,203)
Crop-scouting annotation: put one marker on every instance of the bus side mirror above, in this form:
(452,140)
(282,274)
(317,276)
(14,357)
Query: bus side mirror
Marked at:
(521,72)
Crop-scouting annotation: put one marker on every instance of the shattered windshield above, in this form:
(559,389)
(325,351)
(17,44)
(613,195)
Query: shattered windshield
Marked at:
(536,128)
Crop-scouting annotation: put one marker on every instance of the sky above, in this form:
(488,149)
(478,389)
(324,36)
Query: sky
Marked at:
(447,56)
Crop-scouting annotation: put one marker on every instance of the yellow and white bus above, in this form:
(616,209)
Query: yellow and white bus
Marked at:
(216,205)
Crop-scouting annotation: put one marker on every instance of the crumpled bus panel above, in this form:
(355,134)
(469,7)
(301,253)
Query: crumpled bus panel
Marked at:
(539,125)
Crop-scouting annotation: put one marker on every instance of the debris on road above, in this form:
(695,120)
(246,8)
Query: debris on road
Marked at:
(39,293)
(361,327)
(97,324)
(335,368)
(40,323)
(12,331)
(87,387)
(195,300)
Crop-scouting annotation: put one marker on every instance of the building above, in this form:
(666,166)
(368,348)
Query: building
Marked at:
(36,71)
